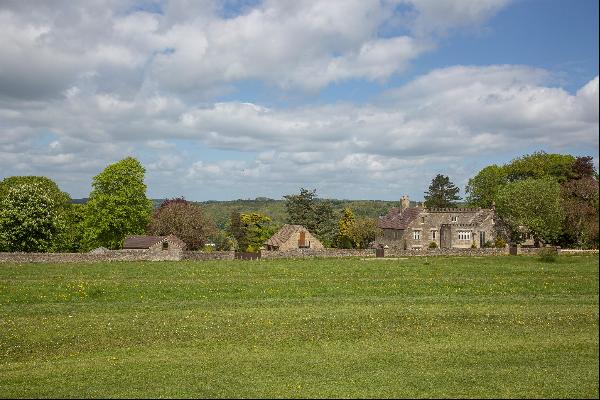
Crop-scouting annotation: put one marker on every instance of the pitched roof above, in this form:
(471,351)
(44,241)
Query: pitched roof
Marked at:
(145,242)
(283,234)
(396,219)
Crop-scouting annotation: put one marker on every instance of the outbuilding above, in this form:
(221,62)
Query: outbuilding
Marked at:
(291,237)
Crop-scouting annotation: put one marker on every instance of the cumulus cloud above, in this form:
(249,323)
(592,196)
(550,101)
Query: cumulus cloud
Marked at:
(83,85)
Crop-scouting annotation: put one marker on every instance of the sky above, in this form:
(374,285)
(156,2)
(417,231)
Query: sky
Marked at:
(358,99)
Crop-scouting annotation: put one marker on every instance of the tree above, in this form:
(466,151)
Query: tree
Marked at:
(316,215)
(539,165)
(117,205)
(71,239)
(183,219)
(60,198)
(580,201)
(236,230)
(533,205)
(364,231)
(344,238)
(442,193)
(483,187)
(31,218)
(257,230)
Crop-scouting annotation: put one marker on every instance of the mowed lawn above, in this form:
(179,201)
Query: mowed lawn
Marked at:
(436,327)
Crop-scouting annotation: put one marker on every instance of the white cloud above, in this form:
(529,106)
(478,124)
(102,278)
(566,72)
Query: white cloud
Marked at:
(105,82)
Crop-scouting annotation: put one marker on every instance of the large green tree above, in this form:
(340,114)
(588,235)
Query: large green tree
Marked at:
(483,187)
(532,205)
(344,239)
(31,218)
(540,164)
(183,219)
(364,231)
(316,215)
(257,229)
(442,193)
(117,205)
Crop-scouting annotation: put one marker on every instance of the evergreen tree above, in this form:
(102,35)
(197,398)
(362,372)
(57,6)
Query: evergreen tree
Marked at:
(442,193)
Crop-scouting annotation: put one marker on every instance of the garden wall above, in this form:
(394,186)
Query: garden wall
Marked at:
(210,255)
(153,255)
(310,253)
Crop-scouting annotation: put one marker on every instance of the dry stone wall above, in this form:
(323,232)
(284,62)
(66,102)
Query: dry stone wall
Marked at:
(151,255)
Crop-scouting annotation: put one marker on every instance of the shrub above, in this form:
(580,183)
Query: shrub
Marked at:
(489,244)
(500,243)
(473,245)
(548,254)
(433,245)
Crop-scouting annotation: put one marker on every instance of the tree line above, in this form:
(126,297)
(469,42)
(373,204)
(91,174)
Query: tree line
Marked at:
(36,216)
(552,197)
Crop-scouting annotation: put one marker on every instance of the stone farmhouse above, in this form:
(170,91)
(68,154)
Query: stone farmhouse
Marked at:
(159,244)
(414,228)
(293,237)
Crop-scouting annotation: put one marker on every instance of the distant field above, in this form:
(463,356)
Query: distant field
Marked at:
(442,327)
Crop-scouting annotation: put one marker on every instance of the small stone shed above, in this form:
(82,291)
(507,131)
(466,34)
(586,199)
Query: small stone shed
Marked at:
(169,243)
(293,237)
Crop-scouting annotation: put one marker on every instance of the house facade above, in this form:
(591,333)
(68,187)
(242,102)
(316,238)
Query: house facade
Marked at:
(413,228)
(159,247)
(291,237)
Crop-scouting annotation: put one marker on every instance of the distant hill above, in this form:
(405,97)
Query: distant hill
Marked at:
(220,211)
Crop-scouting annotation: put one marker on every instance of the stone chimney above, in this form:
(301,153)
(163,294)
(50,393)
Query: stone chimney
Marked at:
(404,203)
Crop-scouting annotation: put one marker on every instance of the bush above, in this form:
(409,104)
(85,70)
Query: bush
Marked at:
(500,243)
(548,254)
(433,245)
(489,244)
(473,245)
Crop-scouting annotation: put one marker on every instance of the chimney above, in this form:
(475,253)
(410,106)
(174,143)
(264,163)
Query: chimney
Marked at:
(404,203)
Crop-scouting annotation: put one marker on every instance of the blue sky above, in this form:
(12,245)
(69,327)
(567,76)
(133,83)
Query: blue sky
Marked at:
(241,99)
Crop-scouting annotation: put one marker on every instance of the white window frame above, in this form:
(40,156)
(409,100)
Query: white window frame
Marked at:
(464,235)
(433,234)
(454,218)
(416,234)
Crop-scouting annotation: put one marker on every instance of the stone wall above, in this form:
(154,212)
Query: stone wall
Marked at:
(148,255)
(107,255)
(311,253)
(209,255)
(479,252)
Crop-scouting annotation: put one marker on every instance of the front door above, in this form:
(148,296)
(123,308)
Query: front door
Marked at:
(445,236)
(302,239)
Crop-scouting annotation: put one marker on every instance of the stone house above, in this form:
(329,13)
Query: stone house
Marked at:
(413,228)
(163,247)
(293,237)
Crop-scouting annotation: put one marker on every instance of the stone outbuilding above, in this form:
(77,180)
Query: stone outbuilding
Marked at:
(160,247)
(291,237)
(413,228)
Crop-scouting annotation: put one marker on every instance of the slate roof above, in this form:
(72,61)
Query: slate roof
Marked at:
(283,234)
(145,242)
(396,219)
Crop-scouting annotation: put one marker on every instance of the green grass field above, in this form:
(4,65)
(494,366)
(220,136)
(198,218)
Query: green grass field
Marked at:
(442,327)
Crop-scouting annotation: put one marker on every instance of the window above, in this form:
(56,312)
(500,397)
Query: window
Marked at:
(454,218)
(433,234)
(165,245)
(422,220)
(416,235)
(464,235)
